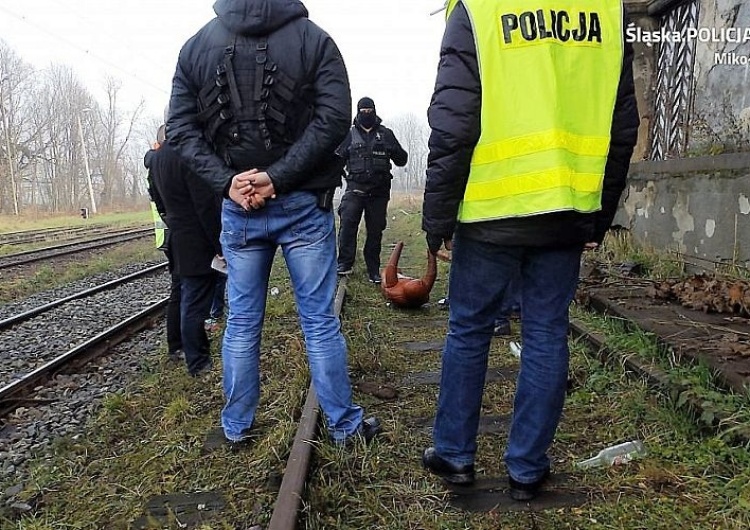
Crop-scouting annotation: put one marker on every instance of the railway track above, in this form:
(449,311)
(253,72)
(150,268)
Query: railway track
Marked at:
(26,237)
(42,341)
(66,249)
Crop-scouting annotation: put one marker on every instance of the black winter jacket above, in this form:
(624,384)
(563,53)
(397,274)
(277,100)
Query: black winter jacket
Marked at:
(454,116)
(373,183)
(191,212)
(303,52)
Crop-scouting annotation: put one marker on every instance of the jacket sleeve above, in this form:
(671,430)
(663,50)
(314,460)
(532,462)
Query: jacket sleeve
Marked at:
(397,153)
(454,117)
(330,122)
(184,132)
(624,134)
(153,192)
(207,209)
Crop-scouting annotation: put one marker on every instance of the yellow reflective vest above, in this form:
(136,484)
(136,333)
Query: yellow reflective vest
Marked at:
(160,227)
(549,72)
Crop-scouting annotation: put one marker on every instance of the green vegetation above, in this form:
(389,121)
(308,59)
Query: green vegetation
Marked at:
(12,223)
(149,441)
(48,276)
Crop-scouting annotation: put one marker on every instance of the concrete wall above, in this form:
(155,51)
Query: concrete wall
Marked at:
(720,120)
(698,206)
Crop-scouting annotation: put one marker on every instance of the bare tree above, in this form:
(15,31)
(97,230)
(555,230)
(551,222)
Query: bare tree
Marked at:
(14,80)
(55,138)
(111,134)
(412,133)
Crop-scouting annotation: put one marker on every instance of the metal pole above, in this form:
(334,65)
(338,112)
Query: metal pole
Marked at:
(86,162)
(11,168)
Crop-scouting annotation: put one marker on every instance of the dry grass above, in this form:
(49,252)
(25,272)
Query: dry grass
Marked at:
(688,480)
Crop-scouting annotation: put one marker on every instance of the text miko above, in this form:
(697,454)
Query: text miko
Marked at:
(557,25)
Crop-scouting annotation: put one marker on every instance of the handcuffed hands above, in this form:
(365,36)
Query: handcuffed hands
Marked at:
(251,189)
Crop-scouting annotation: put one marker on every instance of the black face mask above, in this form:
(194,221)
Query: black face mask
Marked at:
(366,119)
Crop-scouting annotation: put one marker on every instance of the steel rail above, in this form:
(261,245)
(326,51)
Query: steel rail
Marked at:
(50,252)
(289,500)
(20,317)
(12,394)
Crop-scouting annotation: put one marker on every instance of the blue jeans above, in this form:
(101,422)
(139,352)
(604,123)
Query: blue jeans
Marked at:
(307,239)
(511,300)
(479,276)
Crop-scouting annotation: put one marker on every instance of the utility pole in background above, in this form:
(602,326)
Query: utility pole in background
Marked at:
(11,165)
(86,162)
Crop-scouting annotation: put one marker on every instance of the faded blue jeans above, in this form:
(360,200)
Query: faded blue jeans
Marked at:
(479,276)
(307,239)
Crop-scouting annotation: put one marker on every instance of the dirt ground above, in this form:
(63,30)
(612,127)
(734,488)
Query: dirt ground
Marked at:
(699,318)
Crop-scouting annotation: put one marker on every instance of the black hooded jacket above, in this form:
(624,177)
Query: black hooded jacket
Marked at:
(303,52)
(454,117)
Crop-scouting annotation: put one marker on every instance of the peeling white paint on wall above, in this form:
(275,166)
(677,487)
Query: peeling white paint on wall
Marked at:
(640,202)
(744,204)
(710,228)
(683,218)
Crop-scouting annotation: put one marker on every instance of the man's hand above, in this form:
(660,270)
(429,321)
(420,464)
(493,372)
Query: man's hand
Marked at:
(241,187)
(262,187)
(251,188)
(434,242)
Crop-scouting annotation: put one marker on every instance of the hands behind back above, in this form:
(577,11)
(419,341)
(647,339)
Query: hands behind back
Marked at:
(251,189)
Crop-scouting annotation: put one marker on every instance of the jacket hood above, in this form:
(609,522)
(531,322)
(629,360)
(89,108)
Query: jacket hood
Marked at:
(258,17)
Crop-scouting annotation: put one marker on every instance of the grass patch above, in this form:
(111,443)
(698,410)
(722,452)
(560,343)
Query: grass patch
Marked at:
(689,479)
(49,276)
(13,223)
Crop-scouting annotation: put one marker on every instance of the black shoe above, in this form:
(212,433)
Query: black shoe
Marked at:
(203,371)
(343,270)
(375,278)
(245,440)
(502,329)
(368,430)
(461,475)
(176,356)
(524,492)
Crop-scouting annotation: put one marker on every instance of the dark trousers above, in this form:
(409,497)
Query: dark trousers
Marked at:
(174,333)
(217,306)
(197,295)
(350,212)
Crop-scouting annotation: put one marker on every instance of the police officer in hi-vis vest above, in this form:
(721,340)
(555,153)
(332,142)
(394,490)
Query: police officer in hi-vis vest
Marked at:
(368,150)
(533,122)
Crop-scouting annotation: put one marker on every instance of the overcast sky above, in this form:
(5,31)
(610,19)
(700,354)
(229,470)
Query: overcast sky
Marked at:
(390,47)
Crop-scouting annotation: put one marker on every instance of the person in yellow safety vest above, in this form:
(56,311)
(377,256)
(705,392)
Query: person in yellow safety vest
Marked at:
(160,227)
(533,123)
(158,211)
(161,233)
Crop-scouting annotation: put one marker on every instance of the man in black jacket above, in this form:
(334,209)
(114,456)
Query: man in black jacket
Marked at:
(525,171)
(193,218)
(260,101)
(174,333)
(368,150)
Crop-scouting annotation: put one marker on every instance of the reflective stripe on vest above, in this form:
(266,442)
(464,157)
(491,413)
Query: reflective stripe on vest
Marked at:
(549,71)
(159,226)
